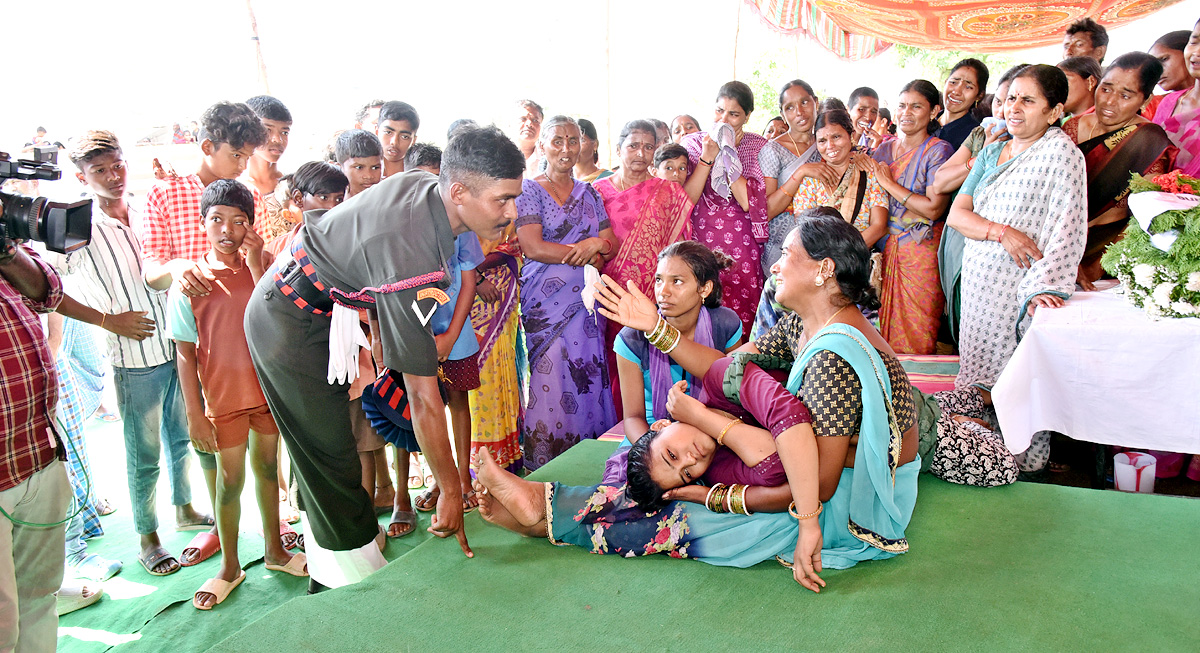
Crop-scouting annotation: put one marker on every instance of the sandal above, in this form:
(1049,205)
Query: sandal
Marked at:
(105,415)
(427,500)
(218,588)
(1059,468)
(297,566)
(470,502)
(300,541)
(93,567)
(403,517)
(415,478)
(287,535)
(104,508)
(70,597)
(156,557)
(204,546)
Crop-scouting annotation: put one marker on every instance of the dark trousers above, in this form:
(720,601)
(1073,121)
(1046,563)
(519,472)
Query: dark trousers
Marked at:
(290,350)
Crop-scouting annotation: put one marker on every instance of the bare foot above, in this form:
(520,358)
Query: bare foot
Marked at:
(964,418)
(276,558)
(494,512)
(524,500)
(188,518)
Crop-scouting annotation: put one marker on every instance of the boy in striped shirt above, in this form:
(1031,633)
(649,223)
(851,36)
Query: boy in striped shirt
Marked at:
(110,278)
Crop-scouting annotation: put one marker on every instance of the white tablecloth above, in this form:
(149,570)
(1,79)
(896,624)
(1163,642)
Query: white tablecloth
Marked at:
(1098,369)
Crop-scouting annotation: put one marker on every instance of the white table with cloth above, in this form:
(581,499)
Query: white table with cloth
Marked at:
(1100,370)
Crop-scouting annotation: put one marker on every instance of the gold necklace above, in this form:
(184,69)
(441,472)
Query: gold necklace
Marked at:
(796,145)
(619,181)
(834,315)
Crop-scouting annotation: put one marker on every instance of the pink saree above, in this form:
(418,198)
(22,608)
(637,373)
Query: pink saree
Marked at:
(647,218)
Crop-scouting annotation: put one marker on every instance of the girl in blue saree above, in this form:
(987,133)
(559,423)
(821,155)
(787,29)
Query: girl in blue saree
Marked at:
(853,484)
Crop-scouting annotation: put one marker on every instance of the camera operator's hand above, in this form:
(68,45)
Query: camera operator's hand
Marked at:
(196,281)
(132,324)
(8,250)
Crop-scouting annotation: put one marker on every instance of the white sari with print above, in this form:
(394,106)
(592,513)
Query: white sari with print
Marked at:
(1043,193)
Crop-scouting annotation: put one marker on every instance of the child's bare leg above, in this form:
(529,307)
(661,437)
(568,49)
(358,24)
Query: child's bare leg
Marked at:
(280,476)
(231,465)
(460,423)
(264,464)
(367,460)
(380,479)
(526,500)
(402,501)
(383,492)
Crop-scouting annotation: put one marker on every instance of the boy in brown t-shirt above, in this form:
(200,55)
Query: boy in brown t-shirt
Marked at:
(231,415)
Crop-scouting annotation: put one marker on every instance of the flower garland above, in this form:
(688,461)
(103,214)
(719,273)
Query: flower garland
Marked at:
(1158,260)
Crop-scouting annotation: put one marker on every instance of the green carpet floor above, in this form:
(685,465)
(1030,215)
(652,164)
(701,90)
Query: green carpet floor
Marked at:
(1023,567)
(140,612)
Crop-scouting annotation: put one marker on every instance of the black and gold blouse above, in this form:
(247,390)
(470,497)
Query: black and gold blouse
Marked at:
(831,388)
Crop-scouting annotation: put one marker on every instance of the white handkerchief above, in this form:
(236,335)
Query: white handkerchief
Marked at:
(727,167)
(591,277)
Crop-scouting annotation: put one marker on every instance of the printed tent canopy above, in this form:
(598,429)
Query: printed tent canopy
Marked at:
(857,29)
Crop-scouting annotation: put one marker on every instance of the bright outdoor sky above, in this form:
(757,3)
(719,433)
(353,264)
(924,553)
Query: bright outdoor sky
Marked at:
(132,65)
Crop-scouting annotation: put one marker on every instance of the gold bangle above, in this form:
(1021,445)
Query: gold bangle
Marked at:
(721,436)
(713,500)
(656,333)
(737,500)
(792,511)
(102,318)
(708,497)
(718,501)
(670,340)
(904,203)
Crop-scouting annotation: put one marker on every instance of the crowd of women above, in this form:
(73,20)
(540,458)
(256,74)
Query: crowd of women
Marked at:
(833,245)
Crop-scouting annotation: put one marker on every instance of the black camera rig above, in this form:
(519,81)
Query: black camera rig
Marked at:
(63,227)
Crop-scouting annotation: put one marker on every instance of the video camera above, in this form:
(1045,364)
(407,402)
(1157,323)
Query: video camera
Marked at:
(62,227)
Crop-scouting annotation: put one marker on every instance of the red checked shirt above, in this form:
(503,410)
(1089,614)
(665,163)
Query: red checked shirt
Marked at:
(28,384)
(170,226)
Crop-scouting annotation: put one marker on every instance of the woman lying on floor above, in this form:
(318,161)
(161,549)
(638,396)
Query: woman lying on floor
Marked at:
(853,484)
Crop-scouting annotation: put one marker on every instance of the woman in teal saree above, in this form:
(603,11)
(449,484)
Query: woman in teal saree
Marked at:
(853,489)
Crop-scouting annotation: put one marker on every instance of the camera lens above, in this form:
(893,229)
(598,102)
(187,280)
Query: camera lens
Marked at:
(21,215)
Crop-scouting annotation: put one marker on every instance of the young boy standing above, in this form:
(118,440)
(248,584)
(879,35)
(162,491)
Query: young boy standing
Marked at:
(360,156)
(231,415)
(262,171)
(397,131)
(173,246)
(110,277)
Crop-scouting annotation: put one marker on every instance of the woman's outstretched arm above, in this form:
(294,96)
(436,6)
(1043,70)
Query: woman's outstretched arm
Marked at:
(632,308)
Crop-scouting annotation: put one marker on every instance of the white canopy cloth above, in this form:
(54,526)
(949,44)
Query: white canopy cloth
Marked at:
(1099,370)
